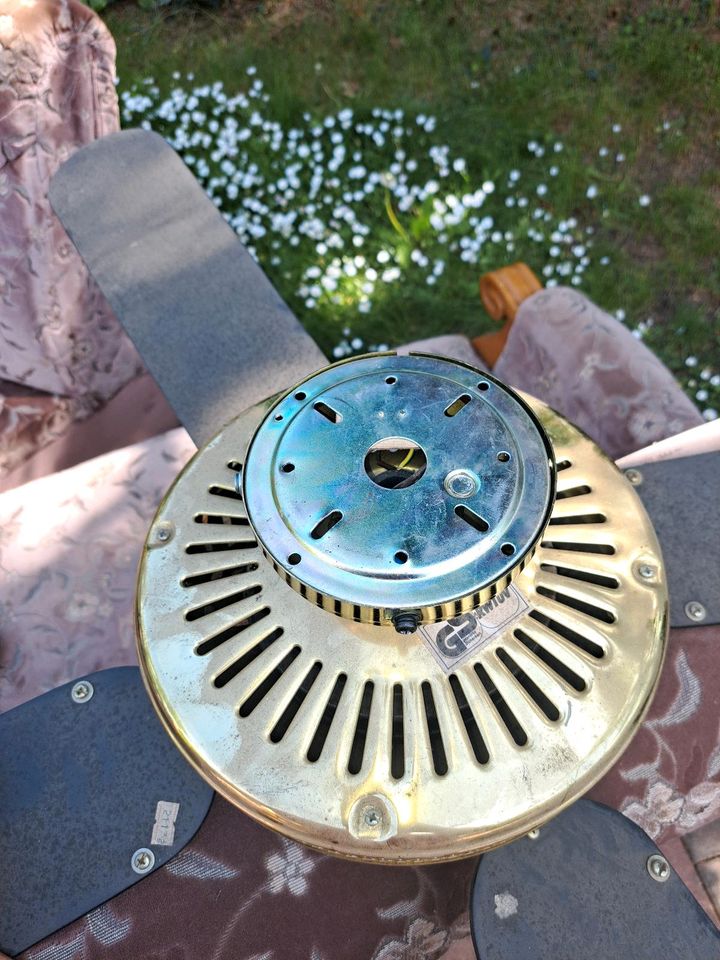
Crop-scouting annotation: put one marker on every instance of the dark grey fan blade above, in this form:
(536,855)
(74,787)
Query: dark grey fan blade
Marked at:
(592,885)
(682,497)
(208,323)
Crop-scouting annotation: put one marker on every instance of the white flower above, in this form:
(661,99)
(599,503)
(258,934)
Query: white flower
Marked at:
(541,190)
(591,192)
(620,157)
(644,200)
(603,152)
(620,314)
(616,128)
(691,361)
(514,176)
(710,414)
(488,186)
(554,171)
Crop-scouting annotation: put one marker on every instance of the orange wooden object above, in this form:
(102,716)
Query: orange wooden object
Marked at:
(502,291)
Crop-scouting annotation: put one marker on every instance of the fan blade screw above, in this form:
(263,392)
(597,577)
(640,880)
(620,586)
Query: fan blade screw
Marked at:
(658,867)
(82,691)
(142,860)
(634,476)
(694,610)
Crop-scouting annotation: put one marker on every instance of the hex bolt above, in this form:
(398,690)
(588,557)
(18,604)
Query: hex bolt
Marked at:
(658,867)
(461,484)
(82,691)
(405,621)
(634,476)
(143,860)
(695,611)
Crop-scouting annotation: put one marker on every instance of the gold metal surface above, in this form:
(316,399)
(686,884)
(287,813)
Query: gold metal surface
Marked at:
(267,694)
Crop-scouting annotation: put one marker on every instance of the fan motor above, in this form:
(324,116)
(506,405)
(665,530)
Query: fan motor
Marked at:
(401,613)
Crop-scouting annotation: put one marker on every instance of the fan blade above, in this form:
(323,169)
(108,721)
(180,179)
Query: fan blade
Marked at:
(208,323)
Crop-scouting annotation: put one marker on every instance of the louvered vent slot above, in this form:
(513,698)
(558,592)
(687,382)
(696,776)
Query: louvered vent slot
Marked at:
(586,576)
(220,546)
(290,711)
(471,518)
(573,492)
(563,465)
(456,406)
(237,666)
(234,465)
(323,728)
(225,518)
(579,518)
(217,491)
(539,698)
(550,660)
(602,548)
(197,578)
(211,643)
(597,613)
(264,688)
(468,718)
(513,725)
(397,757)
(357,750)
(437,746)
(572,636)
(219,603)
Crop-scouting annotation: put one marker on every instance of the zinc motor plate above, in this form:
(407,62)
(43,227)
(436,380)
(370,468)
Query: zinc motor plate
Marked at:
(358,741)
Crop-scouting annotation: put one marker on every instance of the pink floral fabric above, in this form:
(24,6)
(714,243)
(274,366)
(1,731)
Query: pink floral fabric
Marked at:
(584,363)
(58,336)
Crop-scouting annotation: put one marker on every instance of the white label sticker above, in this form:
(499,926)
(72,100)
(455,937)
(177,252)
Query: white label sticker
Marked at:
(453,641)
(164,827)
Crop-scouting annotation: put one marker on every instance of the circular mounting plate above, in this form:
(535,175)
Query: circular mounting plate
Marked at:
(399,483)
(358,741)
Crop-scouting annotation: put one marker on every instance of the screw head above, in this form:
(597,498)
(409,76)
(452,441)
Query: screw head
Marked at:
(372,817)
(695,611)
(634,476)
(143,860)
(658,867)
(461,484)
(646,571)
(164,531)
(82,691)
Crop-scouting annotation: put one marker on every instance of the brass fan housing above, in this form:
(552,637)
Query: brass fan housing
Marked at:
(403,748)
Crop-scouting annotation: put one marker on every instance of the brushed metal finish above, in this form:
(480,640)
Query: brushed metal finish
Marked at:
(267,694)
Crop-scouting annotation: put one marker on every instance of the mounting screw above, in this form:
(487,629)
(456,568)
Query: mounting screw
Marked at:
(143,860)
(405,621)
(82,691)
(646,571)
(634,476)
(694,610)
(658,867)
(372,817)
(164,531)
(461,484)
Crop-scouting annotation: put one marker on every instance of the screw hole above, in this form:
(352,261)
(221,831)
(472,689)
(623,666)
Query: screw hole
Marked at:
(294,559)
(483,385)
(503,456)
(508,549)
(300,395)
(401,557)
(278,416)
(287,467)
(391,380)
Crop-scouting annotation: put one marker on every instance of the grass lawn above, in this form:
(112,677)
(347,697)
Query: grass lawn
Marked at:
(630,90)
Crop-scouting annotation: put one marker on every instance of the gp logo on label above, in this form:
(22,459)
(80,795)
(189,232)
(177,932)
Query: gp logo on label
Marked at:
(458,638)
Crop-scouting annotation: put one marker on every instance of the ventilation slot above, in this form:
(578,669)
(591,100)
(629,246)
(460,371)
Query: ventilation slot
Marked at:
(474,519)
(511,722)
(457,405)
(397,753)
(290,711)
(221,602)
(261,691)
(551,661)
(577,518)
(598,579)
(323,728)
(246,659)
(325,411)
(220,546)
(326,524)
(221,518)
(210,575)
(597,613)
(235,466)
(468,718)
(572,636)
(211,643)
(434,733)
(218,491)
(358,745)
(603,548)
(541,700)
(562,465)
(572,492)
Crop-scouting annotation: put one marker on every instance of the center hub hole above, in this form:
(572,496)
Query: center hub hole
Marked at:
(395,463)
